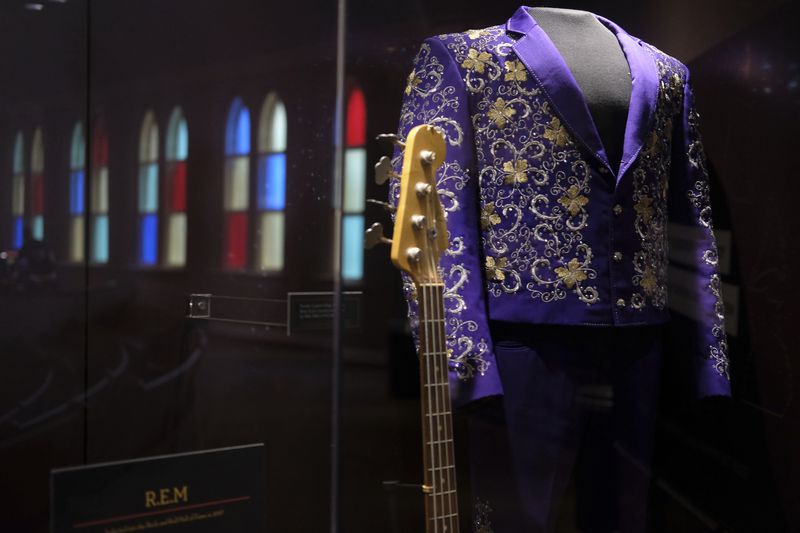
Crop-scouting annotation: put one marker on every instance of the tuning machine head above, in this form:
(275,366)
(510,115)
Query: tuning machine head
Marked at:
(374,236)
(393,138)
(384,171)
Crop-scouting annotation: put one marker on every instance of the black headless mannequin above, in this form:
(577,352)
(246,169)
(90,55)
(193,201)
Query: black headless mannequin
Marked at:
(597,62)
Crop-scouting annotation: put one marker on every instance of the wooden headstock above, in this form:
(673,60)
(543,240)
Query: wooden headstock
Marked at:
(420,230)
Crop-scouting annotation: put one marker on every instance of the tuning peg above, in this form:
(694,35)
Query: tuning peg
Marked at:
(391,137)
(374,236)
(383,170)
(389,207)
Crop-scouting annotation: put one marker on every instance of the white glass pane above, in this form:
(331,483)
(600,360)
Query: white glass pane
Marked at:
(100,191)
(76,240)
(271,241)
(148,142)
(148,188)
(19,153)
(18,196)
(237,184)
(78,148)
(182,141)
(176,240)
(37,152)
(355,179)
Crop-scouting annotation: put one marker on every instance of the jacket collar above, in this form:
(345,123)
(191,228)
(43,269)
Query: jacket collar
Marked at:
(543,60)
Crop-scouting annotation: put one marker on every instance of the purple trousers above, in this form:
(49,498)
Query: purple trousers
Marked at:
(578,401)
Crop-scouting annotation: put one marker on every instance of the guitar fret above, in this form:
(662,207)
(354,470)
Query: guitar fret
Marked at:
(444,413)
(448,467)
(443,441)
(451,515)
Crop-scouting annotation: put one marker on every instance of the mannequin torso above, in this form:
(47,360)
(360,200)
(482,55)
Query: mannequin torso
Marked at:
(598,64)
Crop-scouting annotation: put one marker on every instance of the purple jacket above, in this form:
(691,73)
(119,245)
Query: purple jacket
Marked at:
(542,228)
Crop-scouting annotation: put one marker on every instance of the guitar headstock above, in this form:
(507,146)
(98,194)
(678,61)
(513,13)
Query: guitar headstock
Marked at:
(420,230)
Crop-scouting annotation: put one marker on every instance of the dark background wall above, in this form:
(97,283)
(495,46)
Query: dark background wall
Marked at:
(106,366)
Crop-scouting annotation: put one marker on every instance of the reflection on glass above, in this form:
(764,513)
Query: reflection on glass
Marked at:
(237,184)
(271,183)
(355,182)
(18,191)
(77,191)
(175,206)
(99,194)
(37,185)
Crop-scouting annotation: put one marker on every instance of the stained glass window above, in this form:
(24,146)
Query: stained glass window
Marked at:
(148,190)
(271,194)
(236,194)
(175,191)
(99,195)
(18,192)
(355,182)
(77,192)
(37,186)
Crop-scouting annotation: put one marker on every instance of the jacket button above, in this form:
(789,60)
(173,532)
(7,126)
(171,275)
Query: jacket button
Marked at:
(617,256)
(621,302)
(617,209)
(603,170)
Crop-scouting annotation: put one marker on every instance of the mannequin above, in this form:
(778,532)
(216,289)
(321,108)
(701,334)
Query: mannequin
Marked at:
(596,61)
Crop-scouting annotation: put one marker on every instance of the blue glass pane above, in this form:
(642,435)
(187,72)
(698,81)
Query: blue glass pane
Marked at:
(272,182)
(37,228)
(100,239)
(237,130)
(17,237)
(76,192)
(148,240)
(148,188)
(353,247)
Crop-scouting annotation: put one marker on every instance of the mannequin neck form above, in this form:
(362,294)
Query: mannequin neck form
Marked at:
(598,64)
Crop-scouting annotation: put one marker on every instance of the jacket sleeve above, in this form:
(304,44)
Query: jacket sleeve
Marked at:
(435,94)
(695,284)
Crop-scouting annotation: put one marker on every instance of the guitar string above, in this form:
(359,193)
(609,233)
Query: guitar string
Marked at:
(432,260)
(428,338)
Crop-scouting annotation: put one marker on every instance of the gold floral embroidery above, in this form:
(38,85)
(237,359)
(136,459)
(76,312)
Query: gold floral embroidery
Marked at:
(571,274)
(413,81)
(501,112)
(476,60)
(573,201)
(648,282)
(476,34)
(494,268)
(644,208)
(652,145)
(488,216)
(515,71)
(556,132)
(516,171)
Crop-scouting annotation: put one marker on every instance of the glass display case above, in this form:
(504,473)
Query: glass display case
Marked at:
(194,336)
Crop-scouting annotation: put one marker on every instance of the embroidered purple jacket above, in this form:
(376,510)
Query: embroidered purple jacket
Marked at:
(542,228)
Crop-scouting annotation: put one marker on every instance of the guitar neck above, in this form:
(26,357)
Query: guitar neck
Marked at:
(441,501)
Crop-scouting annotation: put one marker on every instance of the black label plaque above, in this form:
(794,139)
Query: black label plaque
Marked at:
(209,491)
(313,311)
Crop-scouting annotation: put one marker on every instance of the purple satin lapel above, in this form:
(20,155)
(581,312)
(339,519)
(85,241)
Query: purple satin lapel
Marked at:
(544,61)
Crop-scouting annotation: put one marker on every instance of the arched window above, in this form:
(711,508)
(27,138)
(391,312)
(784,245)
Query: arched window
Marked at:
(37,186)
(77,192)
(175,191)
(355,182)
(271,184)
(99,194)
(18,192)
(236,197)
(148,190)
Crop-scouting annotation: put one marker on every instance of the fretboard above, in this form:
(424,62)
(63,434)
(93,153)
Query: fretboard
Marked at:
(441,501)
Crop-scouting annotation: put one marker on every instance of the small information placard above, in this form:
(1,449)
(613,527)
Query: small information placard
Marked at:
(218,490)
(313,311)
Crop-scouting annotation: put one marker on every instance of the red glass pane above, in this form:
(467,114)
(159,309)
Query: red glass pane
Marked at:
(37,199)
(100,145)
(356,119)
(236,241)
(177,193)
